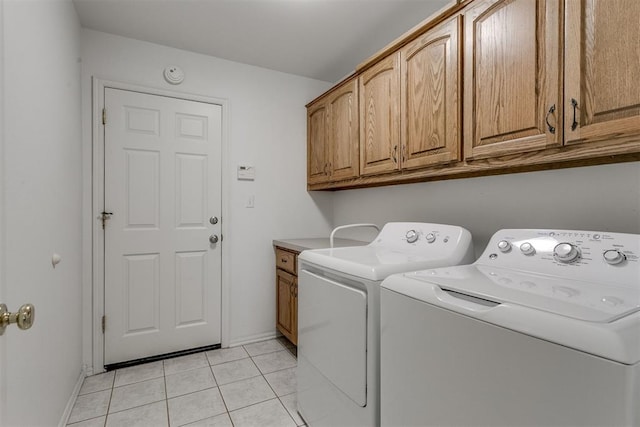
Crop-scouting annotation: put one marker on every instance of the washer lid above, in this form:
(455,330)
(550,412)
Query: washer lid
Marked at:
(539,306)
(580,300)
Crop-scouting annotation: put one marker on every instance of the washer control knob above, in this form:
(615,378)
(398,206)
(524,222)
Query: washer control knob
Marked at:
(412,236)
(527,248)
(430,238)
(504,246)
(566,252)
(613,256)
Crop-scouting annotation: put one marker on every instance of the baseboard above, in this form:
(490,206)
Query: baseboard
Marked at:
(72,399)
(254,338)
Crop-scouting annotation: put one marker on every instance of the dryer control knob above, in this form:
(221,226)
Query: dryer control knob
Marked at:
(412,236)
(527,248)
(613,256)
(566,252)
(504,246)
(430,238)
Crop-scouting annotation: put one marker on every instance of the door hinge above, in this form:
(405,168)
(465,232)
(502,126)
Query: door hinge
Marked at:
(104,116)
(104,322)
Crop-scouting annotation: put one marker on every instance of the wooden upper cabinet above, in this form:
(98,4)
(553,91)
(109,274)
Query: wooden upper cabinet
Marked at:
(380,117)
(512,94)
(430,97)
(317,144)
(602,71)
(344,150)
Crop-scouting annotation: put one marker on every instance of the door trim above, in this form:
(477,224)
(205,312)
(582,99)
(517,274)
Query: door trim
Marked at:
(95,264)
(3,289)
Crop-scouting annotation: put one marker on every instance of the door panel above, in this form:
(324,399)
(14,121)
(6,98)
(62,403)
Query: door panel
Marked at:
(141,287)
(380,117)
(602,67)
(142,198)
(343,132)
(191,283)
(191,194)
(333,332)
(162,182)
(512,77)
(284,283)
(431,93)
(317,137)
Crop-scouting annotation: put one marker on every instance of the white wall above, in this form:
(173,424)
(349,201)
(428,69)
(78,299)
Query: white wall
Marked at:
(598,198)
(267,128)
(42,206)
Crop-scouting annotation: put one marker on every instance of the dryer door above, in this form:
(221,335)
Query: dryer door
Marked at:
(332,332)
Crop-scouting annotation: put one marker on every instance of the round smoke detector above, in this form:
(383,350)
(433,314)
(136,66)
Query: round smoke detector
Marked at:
(174,75)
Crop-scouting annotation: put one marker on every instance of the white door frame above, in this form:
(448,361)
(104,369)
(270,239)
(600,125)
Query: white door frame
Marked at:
(3,293)
(97,202)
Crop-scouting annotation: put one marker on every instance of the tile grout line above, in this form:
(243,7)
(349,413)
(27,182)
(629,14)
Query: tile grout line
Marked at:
(166,394)
(219,391)
(278,397)
(113,383)
(106,416)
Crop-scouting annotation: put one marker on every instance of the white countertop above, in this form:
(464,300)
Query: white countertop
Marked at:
(299,245)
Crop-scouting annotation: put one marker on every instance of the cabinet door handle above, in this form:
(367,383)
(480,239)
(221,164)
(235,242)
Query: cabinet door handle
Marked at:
(395,158)
(574,104)
(283,260)
(552,109)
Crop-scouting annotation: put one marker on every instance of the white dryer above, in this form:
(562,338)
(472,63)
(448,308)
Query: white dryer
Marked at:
(542,330)
(338,316)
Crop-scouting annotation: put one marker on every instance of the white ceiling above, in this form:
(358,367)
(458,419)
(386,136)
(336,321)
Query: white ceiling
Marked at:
(321,39)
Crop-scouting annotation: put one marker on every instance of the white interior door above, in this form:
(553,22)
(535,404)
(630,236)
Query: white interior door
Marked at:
(162,184)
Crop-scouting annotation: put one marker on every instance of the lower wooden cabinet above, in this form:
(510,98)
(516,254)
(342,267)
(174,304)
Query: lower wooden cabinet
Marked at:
(287,294)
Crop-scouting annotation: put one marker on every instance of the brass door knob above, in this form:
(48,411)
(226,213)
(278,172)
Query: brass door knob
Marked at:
(24,317)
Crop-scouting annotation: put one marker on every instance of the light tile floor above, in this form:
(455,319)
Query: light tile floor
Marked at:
(251,385)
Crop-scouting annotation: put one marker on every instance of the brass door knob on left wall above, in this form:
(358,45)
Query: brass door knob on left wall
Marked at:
(24,317)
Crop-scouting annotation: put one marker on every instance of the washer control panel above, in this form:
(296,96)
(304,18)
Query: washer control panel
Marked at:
(581,255)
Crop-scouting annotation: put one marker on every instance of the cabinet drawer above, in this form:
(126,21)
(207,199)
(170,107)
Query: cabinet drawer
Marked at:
(286,261)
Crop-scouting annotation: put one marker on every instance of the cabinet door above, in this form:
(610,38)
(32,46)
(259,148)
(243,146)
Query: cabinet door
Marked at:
(380,117)
(512,77)
(317,138)
(344,148)
(294,313)
(284,286)
(602,69)
(430,96)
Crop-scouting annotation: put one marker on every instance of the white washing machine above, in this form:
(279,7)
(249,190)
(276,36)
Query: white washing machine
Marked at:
(338,316)
(542,330)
